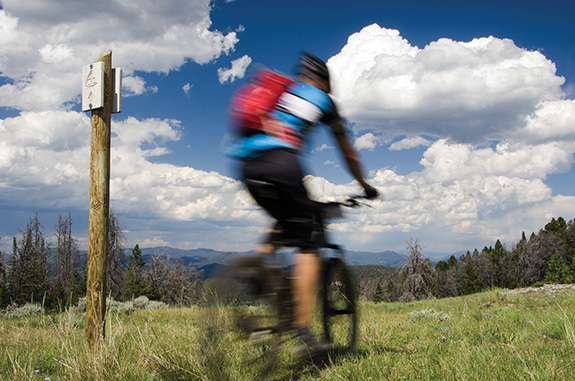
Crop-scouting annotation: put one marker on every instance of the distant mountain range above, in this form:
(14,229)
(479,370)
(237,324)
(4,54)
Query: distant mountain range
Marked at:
(202,257)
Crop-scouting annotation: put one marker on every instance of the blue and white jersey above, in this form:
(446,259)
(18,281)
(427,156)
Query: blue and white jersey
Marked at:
(299,108)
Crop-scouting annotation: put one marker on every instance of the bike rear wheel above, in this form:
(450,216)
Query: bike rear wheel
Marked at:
(339,306)
(244,324)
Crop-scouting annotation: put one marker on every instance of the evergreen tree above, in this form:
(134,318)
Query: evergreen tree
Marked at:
(570,238)
(557,270)
(391,293)
(558,227)
(4,298)
(441,266)
(28,276)
(452,262)
(470,282)
(136,283)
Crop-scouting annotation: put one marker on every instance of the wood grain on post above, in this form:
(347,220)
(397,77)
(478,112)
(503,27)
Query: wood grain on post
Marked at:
(99,210)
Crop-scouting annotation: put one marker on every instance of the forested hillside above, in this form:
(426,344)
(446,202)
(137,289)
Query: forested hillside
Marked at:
(53,273)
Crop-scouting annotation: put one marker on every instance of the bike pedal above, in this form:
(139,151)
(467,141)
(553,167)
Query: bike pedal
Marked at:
(260,336)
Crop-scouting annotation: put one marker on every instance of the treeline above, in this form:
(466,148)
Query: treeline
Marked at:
(54,274)
(546,257)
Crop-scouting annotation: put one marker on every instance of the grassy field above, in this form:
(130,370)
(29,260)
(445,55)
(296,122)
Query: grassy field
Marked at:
(496,335)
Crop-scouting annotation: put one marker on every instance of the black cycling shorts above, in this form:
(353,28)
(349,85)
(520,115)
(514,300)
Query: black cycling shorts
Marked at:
(288,200)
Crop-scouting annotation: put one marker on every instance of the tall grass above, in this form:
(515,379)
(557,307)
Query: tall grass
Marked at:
(496,335)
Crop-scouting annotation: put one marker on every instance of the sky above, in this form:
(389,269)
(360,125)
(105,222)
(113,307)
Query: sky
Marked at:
(463,114)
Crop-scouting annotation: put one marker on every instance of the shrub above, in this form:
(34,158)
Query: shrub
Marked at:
(429,314)
(27,310)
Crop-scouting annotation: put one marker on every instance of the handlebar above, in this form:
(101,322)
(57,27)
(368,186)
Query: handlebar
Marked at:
(332,209)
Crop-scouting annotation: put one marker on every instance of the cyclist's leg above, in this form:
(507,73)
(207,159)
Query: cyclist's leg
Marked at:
(269,245)
(305,282)
(290,205)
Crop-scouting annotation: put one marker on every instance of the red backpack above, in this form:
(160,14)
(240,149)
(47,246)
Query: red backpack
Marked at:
(255,100)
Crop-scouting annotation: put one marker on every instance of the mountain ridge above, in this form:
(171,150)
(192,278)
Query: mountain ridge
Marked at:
(202,256)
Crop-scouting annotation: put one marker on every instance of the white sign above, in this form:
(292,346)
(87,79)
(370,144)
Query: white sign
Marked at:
(117,90)
(93,86)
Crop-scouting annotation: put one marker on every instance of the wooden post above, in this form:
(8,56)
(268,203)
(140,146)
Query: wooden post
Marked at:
(99,210)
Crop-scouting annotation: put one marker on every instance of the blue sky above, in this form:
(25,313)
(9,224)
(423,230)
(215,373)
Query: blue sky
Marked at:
(463,114)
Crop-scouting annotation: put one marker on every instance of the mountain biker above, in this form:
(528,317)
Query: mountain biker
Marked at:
(272,157)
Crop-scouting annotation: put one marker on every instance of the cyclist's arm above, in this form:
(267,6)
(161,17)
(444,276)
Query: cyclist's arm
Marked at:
(351,157)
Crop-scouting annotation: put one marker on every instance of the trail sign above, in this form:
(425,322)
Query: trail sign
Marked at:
(93,86)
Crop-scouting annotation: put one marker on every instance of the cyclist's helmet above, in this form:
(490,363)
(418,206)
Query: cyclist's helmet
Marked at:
(312,66)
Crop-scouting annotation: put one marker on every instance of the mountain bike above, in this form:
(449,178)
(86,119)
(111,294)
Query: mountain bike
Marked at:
(252,308)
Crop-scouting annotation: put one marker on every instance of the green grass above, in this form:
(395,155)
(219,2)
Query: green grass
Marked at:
(496,335)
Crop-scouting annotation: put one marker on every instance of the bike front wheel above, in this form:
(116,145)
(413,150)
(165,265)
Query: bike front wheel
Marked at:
(339,306)
(244,321)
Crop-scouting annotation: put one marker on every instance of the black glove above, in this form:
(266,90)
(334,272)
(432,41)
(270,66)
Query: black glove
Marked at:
(371,192)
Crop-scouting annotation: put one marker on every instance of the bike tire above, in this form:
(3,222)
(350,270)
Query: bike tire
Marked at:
(339,306)
(244,326)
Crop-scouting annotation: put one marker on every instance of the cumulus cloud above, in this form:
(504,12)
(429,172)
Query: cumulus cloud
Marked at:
(238,70)
(44,44)
(408,143)
(44,155)
(160,189)
(50,167)
(467,91)
(495,121)
(368,141)
(135,85)
(44,148)
(492,116)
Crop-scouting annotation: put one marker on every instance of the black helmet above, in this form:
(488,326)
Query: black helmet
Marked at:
(310,65)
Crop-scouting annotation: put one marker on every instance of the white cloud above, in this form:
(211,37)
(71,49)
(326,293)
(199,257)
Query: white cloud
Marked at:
(323,147)
(44,155)
(408,143)
(44,151)
(331,163)
(43,45)
(368,141)
(498,121)
(467,91)
(187,88)
(44,161)
(238,70)
(135,85)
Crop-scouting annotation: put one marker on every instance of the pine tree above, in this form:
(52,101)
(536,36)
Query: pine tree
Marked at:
(136,283)
(379,295)
(470,282)
(28,276)
(557,270)
(3,285)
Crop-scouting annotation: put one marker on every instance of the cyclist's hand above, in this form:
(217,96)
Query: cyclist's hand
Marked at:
(371,192)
